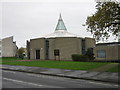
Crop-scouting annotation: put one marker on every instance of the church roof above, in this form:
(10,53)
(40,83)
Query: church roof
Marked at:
(60,31)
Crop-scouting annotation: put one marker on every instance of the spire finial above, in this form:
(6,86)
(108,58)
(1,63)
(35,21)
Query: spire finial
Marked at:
(60,16)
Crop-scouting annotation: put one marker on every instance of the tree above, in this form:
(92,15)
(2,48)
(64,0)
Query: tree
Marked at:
(106,20)
(89,53)
(21,52)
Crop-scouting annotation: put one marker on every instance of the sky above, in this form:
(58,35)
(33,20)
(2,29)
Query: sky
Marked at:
(29,19)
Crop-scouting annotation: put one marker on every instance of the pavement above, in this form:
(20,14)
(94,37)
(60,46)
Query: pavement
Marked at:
(76,74)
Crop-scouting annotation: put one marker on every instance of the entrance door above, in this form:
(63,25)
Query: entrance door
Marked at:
(57,54)
(37,54)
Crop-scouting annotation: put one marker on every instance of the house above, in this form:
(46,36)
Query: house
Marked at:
(59,45)
(8,47)
(0,48)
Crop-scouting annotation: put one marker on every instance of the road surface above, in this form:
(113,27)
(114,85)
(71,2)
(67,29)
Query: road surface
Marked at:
(15,79)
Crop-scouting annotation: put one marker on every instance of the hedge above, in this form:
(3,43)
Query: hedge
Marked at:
(78,57)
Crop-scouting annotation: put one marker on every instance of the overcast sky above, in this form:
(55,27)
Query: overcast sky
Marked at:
(28,19)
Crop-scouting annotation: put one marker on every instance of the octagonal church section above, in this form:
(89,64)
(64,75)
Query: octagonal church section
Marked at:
(59,45)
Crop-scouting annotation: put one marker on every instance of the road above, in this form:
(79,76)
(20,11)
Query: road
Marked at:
(15,79)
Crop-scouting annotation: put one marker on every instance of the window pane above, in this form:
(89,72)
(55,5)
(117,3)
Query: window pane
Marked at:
(101,54)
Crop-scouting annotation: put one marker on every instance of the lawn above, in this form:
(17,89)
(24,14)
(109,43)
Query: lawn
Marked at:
(2,59)
(114,69)
(59,64)
(8,58)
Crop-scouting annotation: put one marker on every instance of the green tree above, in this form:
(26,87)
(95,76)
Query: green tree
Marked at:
(106,20)
(21,52)
(89,53)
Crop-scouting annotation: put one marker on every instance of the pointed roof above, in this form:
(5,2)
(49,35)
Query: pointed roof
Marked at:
(60,24)
(60,31)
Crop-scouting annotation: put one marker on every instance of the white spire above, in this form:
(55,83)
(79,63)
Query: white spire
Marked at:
(60,31)
(60,24)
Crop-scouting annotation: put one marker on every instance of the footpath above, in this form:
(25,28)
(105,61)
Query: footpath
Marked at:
(76,74)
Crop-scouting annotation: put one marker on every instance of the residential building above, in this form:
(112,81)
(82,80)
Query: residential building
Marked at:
(9,47)
(0,48)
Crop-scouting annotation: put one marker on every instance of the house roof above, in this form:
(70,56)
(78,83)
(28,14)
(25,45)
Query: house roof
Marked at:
(108,44)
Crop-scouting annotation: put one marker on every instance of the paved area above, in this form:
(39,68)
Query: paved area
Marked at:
(78,74)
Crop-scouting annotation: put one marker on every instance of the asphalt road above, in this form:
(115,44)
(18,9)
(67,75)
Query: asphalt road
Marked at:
(15,79)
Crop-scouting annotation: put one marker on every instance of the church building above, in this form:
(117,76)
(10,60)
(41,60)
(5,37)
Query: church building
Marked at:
(59,45)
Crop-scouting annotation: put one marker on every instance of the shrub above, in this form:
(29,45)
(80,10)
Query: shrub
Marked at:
(78,57)
(90,54)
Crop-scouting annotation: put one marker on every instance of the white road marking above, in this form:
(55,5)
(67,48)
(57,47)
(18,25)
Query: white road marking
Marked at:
(103,83)
(22,82)
(45,76)
(9,71)
(3,67)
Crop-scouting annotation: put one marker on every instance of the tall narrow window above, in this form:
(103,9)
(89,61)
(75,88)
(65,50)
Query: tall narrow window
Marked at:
(83,46)
(47,49)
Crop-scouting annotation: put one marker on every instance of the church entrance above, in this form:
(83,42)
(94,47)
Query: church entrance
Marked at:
(57,54)
(37,54)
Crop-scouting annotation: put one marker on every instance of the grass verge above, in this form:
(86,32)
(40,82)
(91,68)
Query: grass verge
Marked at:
(114,69)
(8,58)
(59,64)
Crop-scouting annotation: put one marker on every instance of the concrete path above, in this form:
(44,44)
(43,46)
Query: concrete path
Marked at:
(105,67)
(77,74)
